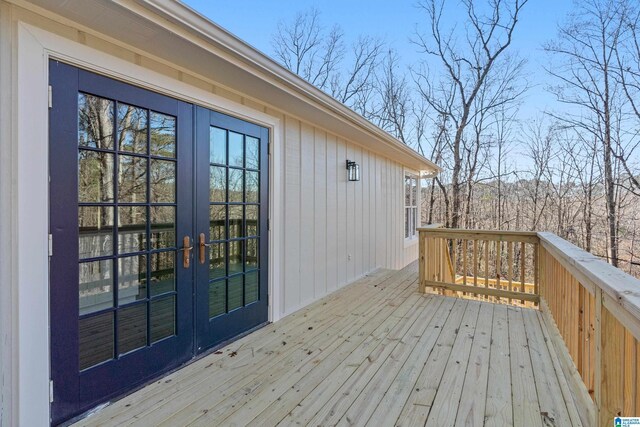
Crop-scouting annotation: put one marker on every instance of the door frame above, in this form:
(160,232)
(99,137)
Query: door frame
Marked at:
(30,206)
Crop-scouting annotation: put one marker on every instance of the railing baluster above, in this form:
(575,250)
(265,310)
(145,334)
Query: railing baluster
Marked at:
(475,262)
(486,266)
(523,263)
(510,265)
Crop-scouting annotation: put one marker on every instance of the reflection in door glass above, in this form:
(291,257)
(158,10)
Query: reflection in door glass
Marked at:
(163,135)
(234,217)
(95,225)
(95,122)
(132,129)
(96,286)
(235,221)
(235,292)
(162,273)
(127,182)
(217,297)
(132,279)
(132,179)
(236,177)
(163,181)
(218,184)
(217,146)
(251,287)
(236,149)
(217,222)
(95,339)
(163,227)
(95,176)
(132,328)
(163,318)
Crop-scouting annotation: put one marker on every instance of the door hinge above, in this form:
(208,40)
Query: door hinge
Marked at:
(269,148)
(50,97)
(50,391)
(50,244)
(268,224)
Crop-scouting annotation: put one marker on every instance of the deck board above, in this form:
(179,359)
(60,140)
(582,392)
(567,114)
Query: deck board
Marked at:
(373,353)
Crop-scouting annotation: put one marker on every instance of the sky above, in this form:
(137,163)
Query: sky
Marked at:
(394,21)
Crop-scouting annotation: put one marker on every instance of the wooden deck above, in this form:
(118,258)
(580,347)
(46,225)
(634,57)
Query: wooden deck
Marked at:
(376,352)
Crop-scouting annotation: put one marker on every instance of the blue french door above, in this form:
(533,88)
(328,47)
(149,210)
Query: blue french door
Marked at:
(158,222)
(232,211)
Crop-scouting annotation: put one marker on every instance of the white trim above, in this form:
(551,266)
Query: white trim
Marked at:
(412,240)
(35,47)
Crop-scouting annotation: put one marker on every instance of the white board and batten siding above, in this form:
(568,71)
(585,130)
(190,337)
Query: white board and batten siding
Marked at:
(336,231)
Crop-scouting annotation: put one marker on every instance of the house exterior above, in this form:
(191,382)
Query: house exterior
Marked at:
(165,188)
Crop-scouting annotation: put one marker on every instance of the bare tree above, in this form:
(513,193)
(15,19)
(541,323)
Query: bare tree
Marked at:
(320,57)
(466,68)
(586,51)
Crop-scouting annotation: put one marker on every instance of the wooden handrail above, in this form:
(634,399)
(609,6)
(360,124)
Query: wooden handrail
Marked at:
(591,308)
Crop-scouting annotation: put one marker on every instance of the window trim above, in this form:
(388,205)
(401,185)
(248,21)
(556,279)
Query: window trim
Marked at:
(414,206)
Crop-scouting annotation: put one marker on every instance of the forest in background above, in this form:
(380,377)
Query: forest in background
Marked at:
(573,170)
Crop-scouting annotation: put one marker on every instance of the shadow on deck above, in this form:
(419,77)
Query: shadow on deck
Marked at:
(377,352)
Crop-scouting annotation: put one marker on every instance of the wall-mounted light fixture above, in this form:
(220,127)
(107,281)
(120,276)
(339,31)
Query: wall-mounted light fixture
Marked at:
(353,171)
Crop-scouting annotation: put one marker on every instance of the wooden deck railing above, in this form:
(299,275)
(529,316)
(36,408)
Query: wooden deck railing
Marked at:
(591,309)
(501,265)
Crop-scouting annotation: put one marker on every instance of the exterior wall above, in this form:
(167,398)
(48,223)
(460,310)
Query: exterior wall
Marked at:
(335,230)
(330,231)
(7,341)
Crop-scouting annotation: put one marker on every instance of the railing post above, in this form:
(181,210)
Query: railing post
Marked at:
(421,264)
(597,392)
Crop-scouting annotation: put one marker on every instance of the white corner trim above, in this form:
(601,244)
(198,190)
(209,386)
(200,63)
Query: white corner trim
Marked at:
(31,207)
(35,47)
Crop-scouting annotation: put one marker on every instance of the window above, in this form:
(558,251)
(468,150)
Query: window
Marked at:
(410,205)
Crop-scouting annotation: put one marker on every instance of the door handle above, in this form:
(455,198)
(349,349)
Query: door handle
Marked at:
(186,251)
(203,246)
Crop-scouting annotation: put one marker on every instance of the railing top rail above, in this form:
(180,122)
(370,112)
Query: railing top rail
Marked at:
(593,271)
(430,227)
(438,228)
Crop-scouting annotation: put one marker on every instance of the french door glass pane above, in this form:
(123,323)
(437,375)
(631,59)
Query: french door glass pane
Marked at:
(132,129)
(236,177)
(162,135)
(132,328)
(217,261)
(163,181)
(217,297)
(251,287)
(236,149)
(218,184)
(132,179)
(96,286)
(95,177)
(253,153)
(132,229)
(252,187)
(96,231)
(163,318)
(96,339)
(163,274)
(235,292)
(132,279)
(217,222)
(163,233)
(251,219)
(235,221)
(218,146)
(95,122)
